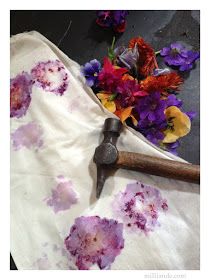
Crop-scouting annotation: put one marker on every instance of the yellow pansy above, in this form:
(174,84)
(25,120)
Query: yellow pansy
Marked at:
(106,102)
(178,124)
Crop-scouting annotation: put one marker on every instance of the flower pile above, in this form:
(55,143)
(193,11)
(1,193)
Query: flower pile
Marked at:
(130,84)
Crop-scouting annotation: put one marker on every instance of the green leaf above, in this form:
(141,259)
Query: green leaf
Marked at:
(112,97)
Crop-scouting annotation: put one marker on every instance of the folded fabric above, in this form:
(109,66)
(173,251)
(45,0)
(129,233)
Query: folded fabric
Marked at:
(139,222)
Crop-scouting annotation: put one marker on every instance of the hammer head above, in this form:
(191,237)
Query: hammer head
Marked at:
(106,153)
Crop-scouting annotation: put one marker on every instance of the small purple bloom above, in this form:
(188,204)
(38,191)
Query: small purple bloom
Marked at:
(172,147)
(119,20)
(20,94)
(128,57)
(151,107)
(91,70)
(93,240)
(172,100)
(190,57)
(152,130)
(191,114)
(114,19)
(104,18)
(173,54)
(139,207)
(178,55)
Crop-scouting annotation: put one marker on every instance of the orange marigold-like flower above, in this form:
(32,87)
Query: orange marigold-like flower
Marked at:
(162,83)
(147,59)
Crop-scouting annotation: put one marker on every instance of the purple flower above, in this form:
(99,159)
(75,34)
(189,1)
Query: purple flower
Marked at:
(191,114)
(151,107)
(173,54)
(93,240)
(139,207)
(20,94)
(172,100)
(178,55)
(171,147)
(91,70)
(190,57)
(119,20)
(104,18)
(127,57)
(114,19)
(152,130)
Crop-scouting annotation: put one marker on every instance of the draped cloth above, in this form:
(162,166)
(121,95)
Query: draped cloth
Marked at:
(53,140)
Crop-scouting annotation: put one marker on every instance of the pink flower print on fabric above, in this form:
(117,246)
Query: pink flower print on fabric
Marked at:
(63,195)
(20,95)
(28,136)
(139,207)
(94,240)
(51,76)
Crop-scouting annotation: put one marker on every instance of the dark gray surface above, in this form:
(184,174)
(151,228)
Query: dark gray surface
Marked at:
(83,40)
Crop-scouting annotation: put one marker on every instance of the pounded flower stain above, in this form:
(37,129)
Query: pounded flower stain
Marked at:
(20,94)
(63,196)
(94,240)
(51,76)
(139,207)
(28,136)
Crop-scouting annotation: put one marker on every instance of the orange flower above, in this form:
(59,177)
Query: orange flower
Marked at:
(147,59)
(162,83)
(125,113)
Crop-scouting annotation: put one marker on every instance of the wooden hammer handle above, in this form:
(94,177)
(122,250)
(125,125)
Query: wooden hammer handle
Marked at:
(159,167)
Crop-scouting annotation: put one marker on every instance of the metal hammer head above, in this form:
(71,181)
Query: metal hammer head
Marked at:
(106,153)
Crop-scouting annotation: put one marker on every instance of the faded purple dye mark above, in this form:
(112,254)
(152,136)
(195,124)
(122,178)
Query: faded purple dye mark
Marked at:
(139,206)
(51,76)
(42,263)
(93,240)
(28,136)
(77,104)
(20,94)
(63,196)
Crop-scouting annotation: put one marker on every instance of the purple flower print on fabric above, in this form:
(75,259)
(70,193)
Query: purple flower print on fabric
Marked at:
(139,207)
(20,95)
(29,136)
(94,240)
(51,76)
(63,196)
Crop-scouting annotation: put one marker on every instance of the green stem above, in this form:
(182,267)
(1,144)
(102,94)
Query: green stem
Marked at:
(156,53)
(113,42)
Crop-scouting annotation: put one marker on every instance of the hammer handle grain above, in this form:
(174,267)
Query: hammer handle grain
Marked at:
(159,167)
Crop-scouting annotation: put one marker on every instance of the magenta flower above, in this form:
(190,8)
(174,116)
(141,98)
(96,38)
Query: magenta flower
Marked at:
(139,207)
(20,95)
(51,76)
(93,240)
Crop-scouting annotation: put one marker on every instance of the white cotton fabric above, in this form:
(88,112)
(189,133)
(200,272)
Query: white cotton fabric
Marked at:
(70,138)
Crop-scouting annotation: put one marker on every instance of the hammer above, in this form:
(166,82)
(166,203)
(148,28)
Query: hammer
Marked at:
(107,158)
